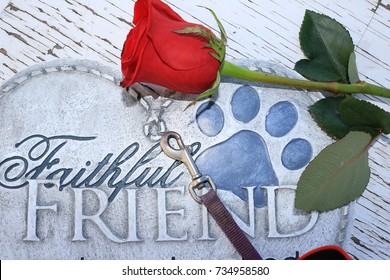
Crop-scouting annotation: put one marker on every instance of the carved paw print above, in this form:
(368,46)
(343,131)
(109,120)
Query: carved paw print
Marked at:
(243,158)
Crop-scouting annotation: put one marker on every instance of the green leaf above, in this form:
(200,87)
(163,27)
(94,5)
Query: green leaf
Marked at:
(194,30)
(220,26)
(337,116)
(362,115)
(337,176)
(207,93)
(327,46)
(353,74)
(326,113)
(218,45)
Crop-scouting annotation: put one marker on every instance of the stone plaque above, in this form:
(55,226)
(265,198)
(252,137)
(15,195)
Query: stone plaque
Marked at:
(82,175)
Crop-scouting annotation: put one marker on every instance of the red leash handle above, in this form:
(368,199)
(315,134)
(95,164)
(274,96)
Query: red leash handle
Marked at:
(328,252)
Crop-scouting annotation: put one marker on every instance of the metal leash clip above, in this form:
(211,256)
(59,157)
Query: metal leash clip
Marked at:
(184,154)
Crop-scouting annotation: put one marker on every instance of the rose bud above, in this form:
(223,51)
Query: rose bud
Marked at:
(165,50)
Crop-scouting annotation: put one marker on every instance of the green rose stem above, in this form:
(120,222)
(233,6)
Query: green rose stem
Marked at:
(234,71)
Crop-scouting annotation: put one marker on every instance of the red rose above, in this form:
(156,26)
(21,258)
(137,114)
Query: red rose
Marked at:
(155,54)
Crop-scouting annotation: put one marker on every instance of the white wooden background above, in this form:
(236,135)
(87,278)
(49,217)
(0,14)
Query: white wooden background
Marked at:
(32,31)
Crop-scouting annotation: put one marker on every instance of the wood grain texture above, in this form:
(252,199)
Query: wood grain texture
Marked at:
(41,30)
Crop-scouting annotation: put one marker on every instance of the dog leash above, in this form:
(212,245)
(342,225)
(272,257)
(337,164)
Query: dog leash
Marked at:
(210,200)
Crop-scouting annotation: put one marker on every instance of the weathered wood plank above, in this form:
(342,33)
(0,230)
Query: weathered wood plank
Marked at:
(44,30)
(370,237)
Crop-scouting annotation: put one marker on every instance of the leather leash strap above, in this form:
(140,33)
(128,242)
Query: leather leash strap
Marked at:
(226,222)
(211,200)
